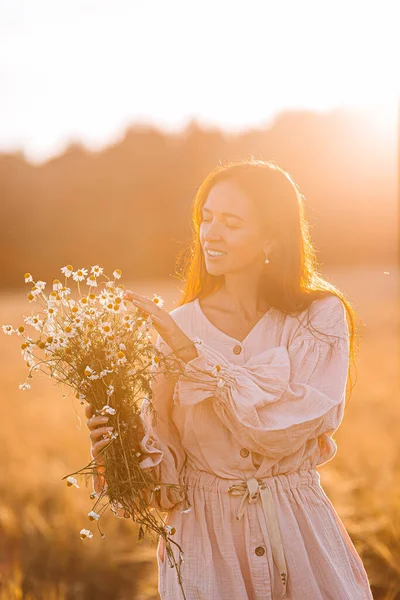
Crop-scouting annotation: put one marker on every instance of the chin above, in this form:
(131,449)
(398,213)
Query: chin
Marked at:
(215,269)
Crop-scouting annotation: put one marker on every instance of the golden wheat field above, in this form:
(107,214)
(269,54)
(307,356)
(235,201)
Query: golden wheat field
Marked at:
(44,437)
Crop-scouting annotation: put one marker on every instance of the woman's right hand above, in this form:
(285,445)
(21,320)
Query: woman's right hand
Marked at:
(97,427)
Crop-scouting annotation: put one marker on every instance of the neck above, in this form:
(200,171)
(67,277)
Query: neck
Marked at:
(241,294)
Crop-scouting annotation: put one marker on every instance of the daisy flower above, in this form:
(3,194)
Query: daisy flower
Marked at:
(41,284)
(34,321)
(51,312)
(104,373)
(67,271)
(54,298)
(64,291)
(78,321)
(28,277)
(170,529)
(117,274)
(110,390)
(35,291)
(72,481)
(79,275)
(110,434)
(69,331)
(158,300)
(85,533)
(93,515)
(91,280)
(106,327)
(57,285)
(24,386)
(121,358)
(96,270)
(107,409)
(8,329)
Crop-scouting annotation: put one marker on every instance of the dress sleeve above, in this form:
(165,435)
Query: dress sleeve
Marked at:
(283,396)
(161,447)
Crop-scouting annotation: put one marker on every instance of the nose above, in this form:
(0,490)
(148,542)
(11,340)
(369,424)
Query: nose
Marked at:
(212,233)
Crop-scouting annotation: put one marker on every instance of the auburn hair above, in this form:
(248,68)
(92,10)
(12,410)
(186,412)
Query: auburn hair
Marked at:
(292,280)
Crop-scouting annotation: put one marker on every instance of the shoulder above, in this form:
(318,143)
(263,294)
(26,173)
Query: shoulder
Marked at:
(326,316)
(329,309)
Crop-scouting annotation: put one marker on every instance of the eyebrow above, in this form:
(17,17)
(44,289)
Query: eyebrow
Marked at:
(227,214)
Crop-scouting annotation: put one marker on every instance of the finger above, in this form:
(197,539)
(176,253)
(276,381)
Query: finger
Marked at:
(98,446)
(128,294)
(147,306)
(135,295)
(95,434)
(89,410)
(132,296)
(95,422)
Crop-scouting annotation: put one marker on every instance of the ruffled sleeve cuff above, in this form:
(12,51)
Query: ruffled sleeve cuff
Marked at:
(153,454)
(262,380)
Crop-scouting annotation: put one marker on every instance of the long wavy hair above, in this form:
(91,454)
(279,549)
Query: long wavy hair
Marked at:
(291,281)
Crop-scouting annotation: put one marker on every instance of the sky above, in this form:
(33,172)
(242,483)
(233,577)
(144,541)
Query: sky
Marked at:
(84,70)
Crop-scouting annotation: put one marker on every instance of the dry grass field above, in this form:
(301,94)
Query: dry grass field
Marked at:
(44,437)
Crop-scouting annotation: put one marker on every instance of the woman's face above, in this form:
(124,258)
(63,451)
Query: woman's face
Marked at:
(230,224)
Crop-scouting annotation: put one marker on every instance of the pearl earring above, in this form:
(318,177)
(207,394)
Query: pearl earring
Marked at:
(266,260)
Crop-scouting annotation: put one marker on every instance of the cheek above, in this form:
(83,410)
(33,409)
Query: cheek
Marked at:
(242,241)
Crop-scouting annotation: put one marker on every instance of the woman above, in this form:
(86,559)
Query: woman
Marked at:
(265,345)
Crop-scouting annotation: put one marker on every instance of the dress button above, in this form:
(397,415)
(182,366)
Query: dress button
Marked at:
(244,452)
(260,550)
(237,349)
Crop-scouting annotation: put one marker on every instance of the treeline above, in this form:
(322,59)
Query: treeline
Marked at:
(129,205)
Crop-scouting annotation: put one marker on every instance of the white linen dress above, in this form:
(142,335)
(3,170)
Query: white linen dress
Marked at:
(247,436)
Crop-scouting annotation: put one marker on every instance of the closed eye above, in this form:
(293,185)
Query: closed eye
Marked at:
(229,226)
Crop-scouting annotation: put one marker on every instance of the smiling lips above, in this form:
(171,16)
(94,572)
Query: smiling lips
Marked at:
(214,253)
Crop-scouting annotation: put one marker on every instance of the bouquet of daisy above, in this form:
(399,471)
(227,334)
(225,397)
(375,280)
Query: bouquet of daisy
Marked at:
(90,342)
